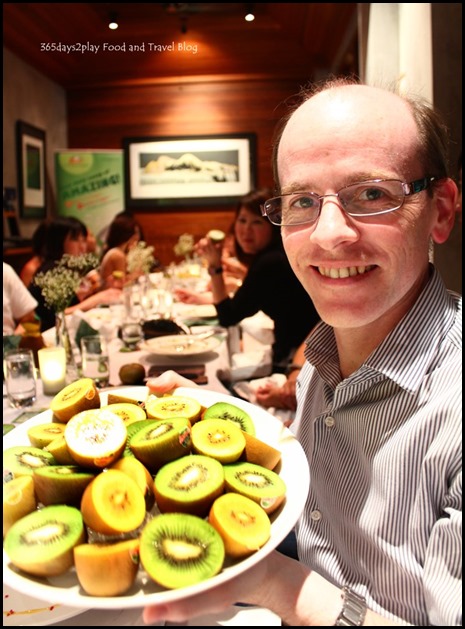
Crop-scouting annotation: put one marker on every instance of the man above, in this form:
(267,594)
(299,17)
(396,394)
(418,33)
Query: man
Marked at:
(18,303)
(379,398)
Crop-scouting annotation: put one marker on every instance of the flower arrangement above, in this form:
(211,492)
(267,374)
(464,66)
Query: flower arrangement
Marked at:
(60,283)
(140,258)
(184,246)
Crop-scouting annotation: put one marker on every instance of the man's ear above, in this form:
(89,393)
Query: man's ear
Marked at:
(445,199)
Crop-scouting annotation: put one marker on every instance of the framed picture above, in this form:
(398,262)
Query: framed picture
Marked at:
(30,153)
(187,171)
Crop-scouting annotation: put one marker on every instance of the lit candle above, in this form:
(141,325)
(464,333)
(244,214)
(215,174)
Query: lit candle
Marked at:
(52,367)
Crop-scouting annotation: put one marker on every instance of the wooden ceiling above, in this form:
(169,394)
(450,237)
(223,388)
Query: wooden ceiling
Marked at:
(209,39)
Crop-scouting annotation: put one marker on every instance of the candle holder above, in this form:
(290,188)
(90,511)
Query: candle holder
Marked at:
(52,368)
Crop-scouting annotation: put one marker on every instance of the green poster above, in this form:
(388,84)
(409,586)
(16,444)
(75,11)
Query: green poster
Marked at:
(90,186)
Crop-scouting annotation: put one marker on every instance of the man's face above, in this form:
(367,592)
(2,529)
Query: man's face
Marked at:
(358,271)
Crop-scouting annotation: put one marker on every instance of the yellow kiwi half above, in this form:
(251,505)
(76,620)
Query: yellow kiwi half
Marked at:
(76,397)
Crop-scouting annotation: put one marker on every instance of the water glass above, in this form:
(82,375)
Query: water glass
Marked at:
(20,377)
(95,359)
(162,303)
(131,334)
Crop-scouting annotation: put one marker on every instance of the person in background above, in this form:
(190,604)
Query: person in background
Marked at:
(364,186)
(458,206)
(124,233)
(68,235)
(269,285)
(18,304)
(39,239)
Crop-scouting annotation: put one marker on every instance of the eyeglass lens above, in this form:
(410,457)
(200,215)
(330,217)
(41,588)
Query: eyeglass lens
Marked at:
(361,199)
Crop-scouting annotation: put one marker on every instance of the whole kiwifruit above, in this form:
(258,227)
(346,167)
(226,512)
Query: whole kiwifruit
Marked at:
(132,373)
(178,550)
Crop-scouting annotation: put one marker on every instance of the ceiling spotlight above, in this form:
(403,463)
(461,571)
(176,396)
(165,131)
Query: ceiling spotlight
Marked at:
(113,23)
(249,14)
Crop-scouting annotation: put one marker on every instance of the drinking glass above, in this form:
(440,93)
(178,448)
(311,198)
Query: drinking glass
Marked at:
(131,334)
(20,377)
(95,360)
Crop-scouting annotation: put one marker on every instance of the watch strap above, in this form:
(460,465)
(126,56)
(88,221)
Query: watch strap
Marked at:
(354,609)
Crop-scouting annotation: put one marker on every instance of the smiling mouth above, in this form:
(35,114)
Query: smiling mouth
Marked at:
(344,272)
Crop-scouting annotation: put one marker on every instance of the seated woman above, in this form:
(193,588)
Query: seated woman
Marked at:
(270,284)
(123,234)
(68,235)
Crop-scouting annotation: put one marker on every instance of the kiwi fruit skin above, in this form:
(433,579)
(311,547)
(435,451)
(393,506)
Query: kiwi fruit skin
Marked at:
(132,373)
(107,569)
(61,484)
(178,550)
(230,412)
(189,485)
(41,543)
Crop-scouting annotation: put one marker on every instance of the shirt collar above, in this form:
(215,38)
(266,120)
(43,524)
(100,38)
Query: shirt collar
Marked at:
(406,353)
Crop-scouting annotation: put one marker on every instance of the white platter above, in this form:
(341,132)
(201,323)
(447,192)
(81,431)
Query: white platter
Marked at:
(21,610)
(65,589)
(180,345)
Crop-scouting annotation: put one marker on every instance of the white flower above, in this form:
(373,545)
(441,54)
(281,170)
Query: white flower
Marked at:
(140,258)
(60,283)
(184,246)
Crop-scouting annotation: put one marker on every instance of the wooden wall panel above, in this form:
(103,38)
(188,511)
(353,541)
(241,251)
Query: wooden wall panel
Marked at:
(101,118)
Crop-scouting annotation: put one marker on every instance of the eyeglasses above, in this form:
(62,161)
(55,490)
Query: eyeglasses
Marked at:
(367,198)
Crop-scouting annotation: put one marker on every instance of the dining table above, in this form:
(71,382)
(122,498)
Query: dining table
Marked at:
(217,371)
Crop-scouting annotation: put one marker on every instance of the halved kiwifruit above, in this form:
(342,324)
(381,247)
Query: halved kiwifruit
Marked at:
(78,396)
(96,437)
(41,435)
(231,412)
(170,406)
(161,441)
(61,484)
(131,430)
(42,542)
(242,523)
(128,412)
(178,550)
(223,441)
(23,460)
(257,483)
(189,485)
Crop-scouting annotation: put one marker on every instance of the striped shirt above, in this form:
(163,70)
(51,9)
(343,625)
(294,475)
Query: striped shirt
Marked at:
(383,514)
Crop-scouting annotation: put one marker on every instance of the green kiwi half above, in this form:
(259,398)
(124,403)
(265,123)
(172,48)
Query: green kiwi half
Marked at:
(42,542)
(178,550)
(231,412)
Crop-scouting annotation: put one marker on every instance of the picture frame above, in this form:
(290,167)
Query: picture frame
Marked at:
(185,171)
(30,154)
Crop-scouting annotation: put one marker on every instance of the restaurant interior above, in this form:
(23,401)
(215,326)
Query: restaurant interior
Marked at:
(224,76)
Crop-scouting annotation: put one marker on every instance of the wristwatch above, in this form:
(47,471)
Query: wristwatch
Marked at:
(354,609)
(215,270)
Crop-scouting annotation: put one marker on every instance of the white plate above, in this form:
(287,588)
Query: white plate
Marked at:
(180,345)
(21,610)
(65,589)
(197,311)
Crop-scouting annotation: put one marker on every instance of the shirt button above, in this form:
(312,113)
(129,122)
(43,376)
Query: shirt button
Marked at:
(329,421)
(315,515)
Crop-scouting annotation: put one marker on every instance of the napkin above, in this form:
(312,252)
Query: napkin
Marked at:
(247,389)
(252,364)
(260,327)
